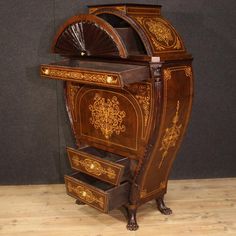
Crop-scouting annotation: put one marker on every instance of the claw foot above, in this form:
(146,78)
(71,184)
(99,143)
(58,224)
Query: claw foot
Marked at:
(79,202)
(162,207)
(132,224)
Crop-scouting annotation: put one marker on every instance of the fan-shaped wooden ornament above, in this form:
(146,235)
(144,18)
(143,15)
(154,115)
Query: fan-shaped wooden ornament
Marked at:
(88,35)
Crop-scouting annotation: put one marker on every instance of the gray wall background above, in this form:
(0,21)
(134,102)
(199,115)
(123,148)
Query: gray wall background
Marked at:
(34,126)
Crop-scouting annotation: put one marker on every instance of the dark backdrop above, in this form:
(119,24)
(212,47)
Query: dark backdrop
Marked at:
(34,126)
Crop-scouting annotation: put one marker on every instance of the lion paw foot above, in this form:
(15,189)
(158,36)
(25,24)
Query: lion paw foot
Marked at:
(165,211)
(132,225)
(162,207)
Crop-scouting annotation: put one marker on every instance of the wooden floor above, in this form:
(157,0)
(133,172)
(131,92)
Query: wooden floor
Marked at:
(201,207)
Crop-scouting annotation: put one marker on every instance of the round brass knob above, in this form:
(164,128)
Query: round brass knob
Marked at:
(46,71)
(84,194)
(92,166)
(109,79)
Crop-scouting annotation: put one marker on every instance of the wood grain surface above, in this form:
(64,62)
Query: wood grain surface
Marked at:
(201,207)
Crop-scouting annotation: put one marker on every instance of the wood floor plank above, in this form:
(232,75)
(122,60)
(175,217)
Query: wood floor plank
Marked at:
(201,208)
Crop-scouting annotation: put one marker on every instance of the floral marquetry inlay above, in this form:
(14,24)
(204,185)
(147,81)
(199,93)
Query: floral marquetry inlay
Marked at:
(162,35)
(188,71)
(171,135)
(85,194)
(107,116)
(144,99)
(93,167)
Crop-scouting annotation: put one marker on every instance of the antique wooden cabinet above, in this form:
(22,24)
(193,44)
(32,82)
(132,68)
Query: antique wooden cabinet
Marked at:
(129,88)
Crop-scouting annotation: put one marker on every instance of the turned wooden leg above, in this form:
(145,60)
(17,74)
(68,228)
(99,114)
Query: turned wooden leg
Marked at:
(132,222)
(79,202)
(162,207)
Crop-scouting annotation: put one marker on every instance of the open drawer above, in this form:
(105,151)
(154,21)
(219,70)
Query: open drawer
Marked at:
(96,193)
(100,164)
(97,73)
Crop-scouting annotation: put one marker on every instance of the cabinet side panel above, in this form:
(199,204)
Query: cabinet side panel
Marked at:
(177,103)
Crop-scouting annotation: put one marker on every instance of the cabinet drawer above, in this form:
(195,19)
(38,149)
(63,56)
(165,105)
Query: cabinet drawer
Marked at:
(103,165)
(112,75)
(96,193)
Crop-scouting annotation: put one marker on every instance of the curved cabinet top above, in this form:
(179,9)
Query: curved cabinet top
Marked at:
(121,31)
(158,36)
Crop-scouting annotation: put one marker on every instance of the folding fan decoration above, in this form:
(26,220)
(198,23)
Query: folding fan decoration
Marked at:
(88,35)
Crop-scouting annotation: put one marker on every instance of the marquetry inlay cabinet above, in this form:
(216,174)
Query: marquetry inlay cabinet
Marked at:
(128,91)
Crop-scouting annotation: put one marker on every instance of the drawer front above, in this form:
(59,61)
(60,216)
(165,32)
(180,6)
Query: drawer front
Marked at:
(97,167)
(86,193)
(107,79)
